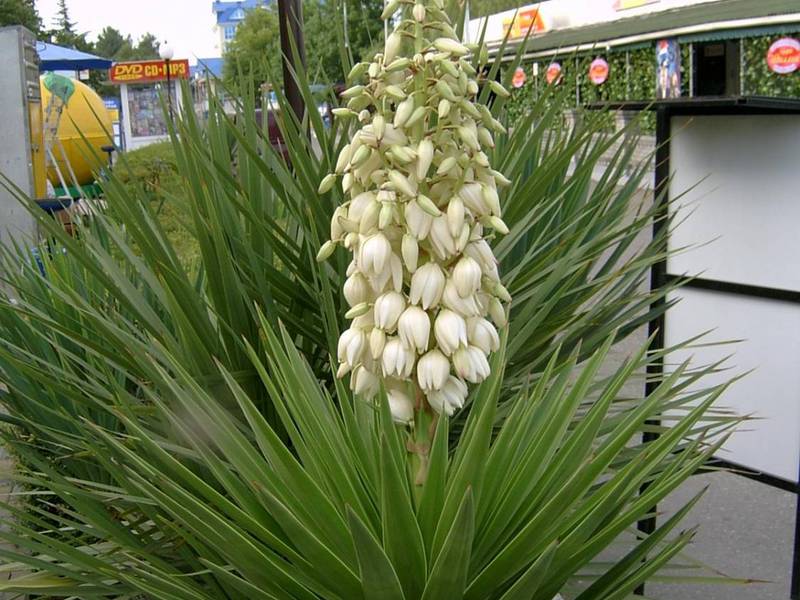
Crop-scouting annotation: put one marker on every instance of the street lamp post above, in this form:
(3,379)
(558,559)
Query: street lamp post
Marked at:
(166,53)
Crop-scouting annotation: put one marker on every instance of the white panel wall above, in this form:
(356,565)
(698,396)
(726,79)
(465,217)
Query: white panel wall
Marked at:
(740,176)
(770,346)
(746,202)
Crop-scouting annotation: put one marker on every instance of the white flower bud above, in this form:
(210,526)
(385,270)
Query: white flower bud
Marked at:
(385,217)
(400,405)
(353,92)
(343,160)
(377,342)
(491,199)
(482,334)
(501,179)
(356,289)
(467,276)
(325,251)
(450,398)
(433,369)
(327,183)
(351,346)
(419,13)
(497,312)
(498,225)
(446,166)
(467,307)
(427,205)
(347,182)
(485,137)
(470,363)
(402,184)
(364,383)
(390,9)
(451,46)
(418,113)
(472,195)
(369,218)
(374,254)
(414,328)
(393,43)
(455,216)
(427,285)
(410,251)
(424,158)
(499,89)
(357,311)
(443,108)
(404,110)
(417,220)
(469,137)
(445,91)
(397,360)
(388,308)
(379,126)
(359,204)
(442,242)
(395,92)
(450,330)
(360,156)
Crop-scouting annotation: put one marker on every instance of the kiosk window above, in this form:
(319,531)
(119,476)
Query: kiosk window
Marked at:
(716,68)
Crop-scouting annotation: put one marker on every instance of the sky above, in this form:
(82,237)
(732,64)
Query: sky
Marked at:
(187,25)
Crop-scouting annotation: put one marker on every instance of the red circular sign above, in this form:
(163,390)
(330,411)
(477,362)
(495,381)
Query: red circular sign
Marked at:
(553,73)
(519,78)
(783,56)
(598,71)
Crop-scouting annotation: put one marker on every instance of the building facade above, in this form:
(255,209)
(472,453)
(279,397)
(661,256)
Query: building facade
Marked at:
(230,14)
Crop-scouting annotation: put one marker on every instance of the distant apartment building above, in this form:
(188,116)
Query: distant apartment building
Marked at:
(230,14)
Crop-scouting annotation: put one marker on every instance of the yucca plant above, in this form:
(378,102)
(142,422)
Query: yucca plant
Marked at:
(183,433)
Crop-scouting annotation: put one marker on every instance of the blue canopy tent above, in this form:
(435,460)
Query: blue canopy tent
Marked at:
(59,58)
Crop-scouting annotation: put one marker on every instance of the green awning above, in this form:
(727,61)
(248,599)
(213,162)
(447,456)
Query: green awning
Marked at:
(733,34)
(657,23)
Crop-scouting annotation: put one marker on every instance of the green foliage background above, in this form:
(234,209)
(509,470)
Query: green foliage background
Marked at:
(632,77)
(758,79)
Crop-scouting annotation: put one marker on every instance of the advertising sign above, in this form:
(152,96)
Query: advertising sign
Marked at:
(526,20)
(783,56)
(519,78)
(668,69)
(148,71)
(553,73)
(598,71)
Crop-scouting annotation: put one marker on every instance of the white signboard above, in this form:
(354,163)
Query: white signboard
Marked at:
(740,220)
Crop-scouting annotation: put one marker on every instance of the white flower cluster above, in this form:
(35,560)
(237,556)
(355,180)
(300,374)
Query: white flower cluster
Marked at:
(422,197)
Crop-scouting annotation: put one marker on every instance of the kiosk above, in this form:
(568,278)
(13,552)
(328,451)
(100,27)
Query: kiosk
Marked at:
(730,166)
(143,116)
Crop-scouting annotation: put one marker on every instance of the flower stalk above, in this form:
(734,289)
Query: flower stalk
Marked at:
(423,286)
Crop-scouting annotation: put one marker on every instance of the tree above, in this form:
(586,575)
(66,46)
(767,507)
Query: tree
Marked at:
(253,55)
(147,47)
(363,32)
(65,32)
(20,12)
(112,44)
(63,22)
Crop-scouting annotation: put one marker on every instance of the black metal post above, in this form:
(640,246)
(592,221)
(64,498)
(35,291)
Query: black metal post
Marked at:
(658,272)
(290,13)
(169,92)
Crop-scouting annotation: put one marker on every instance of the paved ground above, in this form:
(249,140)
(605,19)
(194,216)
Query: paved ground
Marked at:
(746,531)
